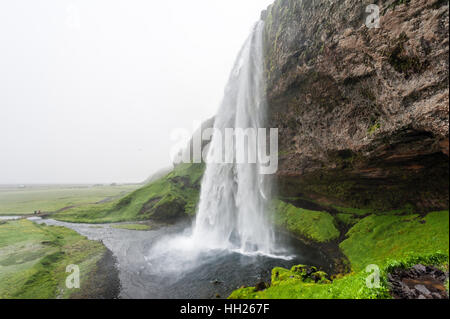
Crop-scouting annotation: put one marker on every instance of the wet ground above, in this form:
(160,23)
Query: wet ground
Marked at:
(9,217)
(146,272)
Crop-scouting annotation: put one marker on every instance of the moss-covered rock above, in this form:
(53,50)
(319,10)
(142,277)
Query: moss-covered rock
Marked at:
(387,241)
(306,224)
(307,274)
(167,199)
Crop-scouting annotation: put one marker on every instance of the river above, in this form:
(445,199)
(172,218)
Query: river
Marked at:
(149,273)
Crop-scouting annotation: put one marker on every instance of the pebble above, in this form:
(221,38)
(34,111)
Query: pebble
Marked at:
(420,268)
(422,289)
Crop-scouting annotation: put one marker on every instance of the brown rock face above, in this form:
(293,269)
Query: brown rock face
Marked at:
(362,112)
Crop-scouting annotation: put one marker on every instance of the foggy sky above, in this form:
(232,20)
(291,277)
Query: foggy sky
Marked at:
(91,90)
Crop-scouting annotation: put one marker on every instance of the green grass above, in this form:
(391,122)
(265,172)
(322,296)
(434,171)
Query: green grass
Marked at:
(312,225)
(374,128)
(132,227)
(170,197)
(349,287)
(21,201)
(353,211)
(388,241)
(350,216)
(375,239)
(33,259)
(347,219)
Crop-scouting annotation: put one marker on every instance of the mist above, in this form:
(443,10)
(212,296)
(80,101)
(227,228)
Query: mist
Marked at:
(90,91)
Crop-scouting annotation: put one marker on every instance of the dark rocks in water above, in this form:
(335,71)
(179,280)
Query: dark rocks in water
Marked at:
(261,286)
(418,282)
(216,282)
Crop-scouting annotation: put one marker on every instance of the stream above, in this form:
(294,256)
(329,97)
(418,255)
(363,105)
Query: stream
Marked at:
(150,270)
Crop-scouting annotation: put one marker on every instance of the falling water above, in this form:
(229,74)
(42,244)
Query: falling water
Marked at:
(232,212)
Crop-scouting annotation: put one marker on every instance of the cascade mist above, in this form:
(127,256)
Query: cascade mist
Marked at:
(232,212)
(232,215)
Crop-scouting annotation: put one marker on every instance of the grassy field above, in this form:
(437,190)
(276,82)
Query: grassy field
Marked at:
(20,201)
(33,259)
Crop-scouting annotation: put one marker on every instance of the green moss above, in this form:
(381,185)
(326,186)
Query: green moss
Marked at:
(403,63)
(347,219)
(293,287)
(307,274)
(173,196)
(388,241)
(312,225)
(375,239)
(353,211)
(351,286)
(33,259)
(374,128)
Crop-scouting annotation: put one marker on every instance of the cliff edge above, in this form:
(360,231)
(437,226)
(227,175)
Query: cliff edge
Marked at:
(362,112)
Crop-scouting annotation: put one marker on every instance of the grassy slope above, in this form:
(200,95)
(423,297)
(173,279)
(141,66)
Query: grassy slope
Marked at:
(376,239)
(33,259)
(169,197)
(313,225)
(14,201)
(141,227)
(385,240)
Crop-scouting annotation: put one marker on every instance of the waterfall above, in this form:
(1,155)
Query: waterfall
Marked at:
(232,212)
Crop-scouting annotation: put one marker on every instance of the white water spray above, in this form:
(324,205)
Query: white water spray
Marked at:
(232,212)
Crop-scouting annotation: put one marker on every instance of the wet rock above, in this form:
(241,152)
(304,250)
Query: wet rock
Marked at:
(422,289)
(423,282)
(420,268)
(261,286)
(430,269)
(360,108)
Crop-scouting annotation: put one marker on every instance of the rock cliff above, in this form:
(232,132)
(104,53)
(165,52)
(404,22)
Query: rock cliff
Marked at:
(362,112)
